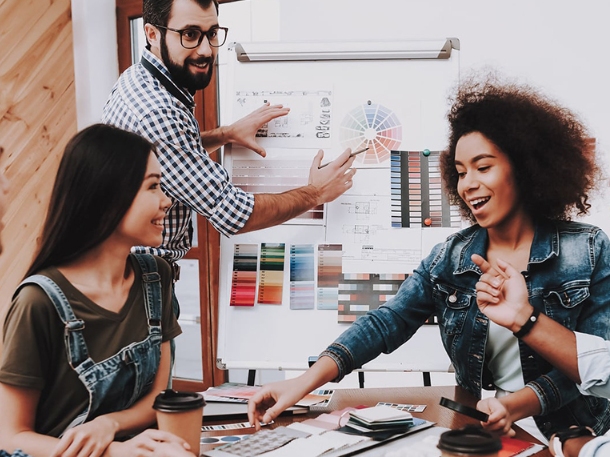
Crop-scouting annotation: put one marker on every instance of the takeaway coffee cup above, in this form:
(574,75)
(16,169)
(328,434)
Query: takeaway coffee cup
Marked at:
(181,413)
(469,441)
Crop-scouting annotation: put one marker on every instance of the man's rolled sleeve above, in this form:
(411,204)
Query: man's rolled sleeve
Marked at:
(233,210)
(191,177)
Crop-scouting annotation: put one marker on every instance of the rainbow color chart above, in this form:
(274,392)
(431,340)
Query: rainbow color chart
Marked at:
(362,292)
(374,126)
(271,280)
(418,199)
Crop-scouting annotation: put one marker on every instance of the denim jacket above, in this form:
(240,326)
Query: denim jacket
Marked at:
(568,279)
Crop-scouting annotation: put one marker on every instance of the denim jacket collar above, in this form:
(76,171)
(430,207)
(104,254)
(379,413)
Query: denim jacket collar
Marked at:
(544,246)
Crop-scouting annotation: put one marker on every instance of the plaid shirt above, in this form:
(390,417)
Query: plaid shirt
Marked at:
(141,104)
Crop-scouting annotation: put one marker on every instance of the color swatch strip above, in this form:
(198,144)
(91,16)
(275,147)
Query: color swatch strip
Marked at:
(329,274)
(243,283)
(302,286)
(363,292)
(418,199)
(271,281)
(274,176)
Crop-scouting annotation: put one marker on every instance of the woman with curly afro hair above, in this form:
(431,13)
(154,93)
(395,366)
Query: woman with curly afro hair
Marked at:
(519,165)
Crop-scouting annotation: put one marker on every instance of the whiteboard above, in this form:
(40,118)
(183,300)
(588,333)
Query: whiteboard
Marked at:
(389,96)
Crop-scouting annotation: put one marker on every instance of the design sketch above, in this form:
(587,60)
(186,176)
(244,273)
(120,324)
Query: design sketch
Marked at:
(309,118)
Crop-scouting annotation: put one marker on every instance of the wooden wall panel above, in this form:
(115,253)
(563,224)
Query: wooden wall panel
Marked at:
(37,118)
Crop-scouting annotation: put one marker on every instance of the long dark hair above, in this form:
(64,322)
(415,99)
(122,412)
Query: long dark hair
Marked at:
(99,176)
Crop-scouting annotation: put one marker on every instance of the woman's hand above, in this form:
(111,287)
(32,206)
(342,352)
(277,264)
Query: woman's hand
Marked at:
(499,416)
(266,404)
(151,443)
(89,439)
(171,450)
(502,294)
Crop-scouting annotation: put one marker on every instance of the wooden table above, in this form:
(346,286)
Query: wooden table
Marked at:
(429,396)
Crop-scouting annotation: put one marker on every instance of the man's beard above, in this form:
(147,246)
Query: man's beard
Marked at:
(181,75)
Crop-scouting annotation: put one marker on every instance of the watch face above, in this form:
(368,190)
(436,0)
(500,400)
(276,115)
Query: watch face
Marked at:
(574,432)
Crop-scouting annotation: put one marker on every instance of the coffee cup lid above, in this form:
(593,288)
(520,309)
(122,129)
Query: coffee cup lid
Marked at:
(469,440)
(170,401)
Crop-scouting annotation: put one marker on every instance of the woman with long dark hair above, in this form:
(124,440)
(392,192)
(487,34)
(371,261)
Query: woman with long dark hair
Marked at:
(86,338)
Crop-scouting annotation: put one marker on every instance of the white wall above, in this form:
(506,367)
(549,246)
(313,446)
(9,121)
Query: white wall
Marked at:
(96,62)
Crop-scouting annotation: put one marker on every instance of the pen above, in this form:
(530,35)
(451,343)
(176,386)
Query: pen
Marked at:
(350,156)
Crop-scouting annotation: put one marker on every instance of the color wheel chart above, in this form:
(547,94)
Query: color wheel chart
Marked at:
(243,284)
(417,195)
(362,292)
(302,293)
(274,176)
(374,126)
(271,281)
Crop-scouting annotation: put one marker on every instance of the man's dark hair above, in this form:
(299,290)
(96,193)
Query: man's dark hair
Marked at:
(99,175)
(551,153)
(156,12)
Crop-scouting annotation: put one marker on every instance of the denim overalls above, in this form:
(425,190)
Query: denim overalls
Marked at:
(118,382)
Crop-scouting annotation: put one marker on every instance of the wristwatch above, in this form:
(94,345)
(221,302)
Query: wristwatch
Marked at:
(559,438)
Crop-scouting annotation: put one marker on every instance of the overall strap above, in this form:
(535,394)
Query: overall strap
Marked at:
(151,284)
(76,347)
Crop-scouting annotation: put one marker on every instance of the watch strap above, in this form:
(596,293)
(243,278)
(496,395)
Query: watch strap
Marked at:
(527,327)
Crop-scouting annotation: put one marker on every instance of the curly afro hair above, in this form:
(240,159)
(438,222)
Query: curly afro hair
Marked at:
(549,148)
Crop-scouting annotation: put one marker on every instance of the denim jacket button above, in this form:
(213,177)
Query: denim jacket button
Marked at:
(452,298)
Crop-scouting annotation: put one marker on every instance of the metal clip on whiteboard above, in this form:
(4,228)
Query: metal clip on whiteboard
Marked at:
(345,50)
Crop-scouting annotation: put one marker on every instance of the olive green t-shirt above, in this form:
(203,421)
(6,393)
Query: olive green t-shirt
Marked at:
(34,354)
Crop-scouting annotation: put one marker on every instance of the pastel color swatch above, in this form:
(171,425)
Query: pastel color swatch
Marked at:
(329,274)
(271,280)
(302,286)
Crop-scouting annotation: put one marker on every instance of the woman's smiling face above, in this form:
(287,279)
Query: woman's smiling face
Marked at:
(486,181)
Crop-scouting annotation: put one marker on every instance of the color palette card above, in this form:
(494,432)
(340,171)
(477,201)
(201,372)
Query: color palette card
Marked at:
(302,290)
(271,280)
(243,280)
(418,199)
(362,292)
(329,275)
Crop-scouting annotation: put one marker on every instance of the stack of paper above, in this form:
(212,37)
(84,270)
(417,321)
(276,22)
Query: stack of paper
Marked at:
(380,419)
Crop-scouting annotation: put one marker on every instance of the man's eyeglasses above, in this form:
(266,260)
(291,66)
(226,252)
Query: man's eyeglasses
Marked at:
(192,38)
